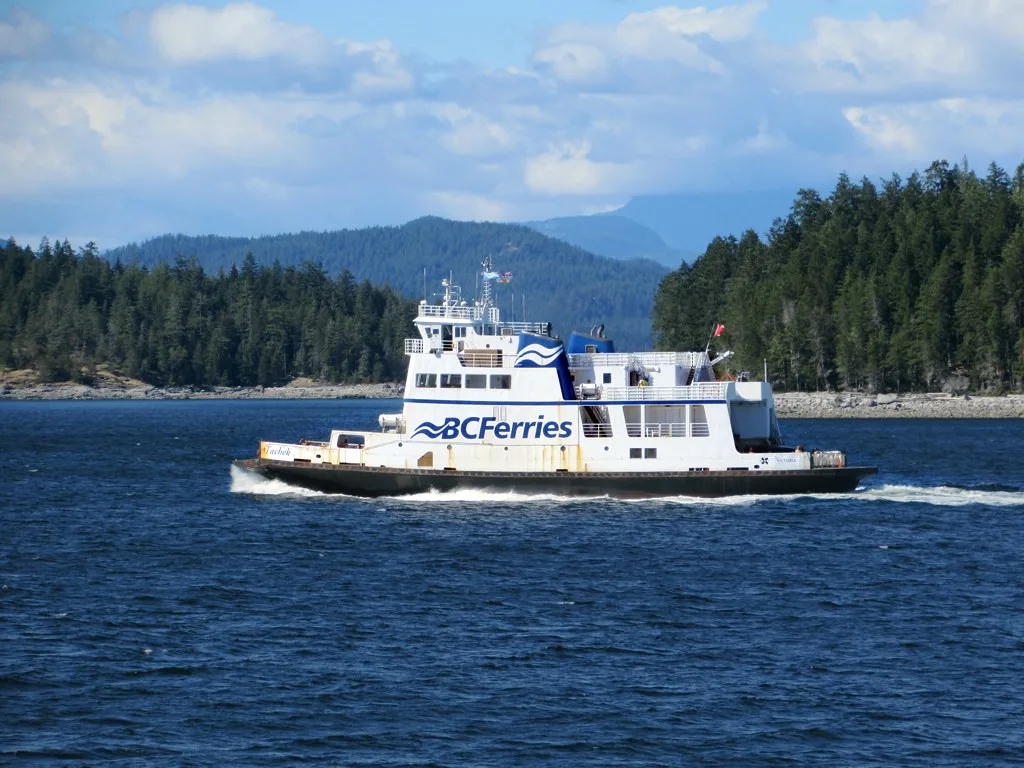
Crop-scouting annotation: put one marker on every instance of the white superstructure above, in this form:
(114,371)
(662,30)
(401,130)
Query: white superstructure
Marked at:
(486,395)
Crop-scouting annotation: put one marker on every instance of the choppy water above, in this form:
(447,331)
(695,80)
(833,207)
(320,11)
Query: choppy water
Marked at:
(156,609)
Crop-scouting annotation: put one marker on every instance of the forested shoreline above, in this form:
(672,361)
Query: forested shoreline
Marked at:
(917,285)
(65,313)
(912,285)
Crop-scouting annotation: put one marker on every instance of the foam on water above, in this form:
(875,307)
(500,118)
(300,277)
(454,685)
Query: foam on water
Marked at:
(484,496)
(257,485)
(945,496)
(941,495)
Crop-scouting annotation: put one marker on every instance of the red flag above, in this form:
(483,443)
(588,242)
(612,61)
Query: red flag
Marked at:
(719,329)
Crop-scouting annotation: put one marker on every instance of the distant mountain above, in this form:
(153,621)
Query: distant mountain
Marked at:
(560,283)
(614,236)
(690,221)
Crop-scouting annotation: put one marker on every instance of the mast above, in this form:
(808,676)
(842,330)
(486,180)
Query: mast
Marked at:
(486,295)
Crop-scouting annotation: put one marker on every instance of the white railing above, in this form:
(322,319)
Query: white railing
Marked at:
(454,313)
(511,329)
(647,359)
(665,429)
(597,430)
(413,346)
(485,358)
(489,314)
(705,391)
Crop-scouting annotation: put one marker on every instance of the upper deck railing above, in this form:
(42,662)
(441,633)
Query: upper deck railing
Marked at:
(612,359)
(440,311)
(703,391)
(511,329)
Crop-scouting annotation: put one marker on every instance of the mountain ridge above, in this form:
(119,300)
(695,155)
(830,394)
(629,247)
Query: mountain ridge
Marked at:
(561,283)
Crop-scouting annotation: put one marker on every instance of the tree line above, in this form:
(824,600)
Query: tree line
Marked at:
(65,313)
(913,284)
(556,282)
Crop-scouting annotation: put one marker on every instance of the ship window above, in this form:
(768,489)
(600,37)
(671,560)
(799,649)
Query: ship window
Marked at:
(426,379)
(451,380)
(590,349)
(650,453)
(501,381)
(636,453)
(606,378)
(460,332)
(476,381)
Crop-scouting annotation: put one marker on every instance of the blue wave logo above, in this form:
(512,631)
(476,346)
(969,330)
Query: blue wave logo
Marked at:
(537,356)
(434,431)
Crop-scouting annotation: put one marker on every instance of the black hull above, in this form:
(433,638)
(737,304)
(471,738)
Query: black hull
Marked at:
(383,481)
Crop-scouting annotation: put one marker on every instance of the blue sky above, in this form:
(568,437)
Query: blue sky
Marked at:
(126,119)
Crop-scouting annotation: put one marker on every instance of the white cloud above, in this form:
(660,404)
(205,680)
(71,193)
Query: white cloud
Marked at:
(928,130)
(22,35)
(187,34)
(581,53)
(465,206)
(573,62)
(93,135)
(385,72)
(568,170)
(473,134)
(729,23)
(229,114)
(951,44)
(879,54)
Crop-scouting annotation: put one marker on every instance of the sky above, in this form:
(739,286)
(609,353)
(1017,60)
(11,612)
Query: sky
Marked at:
(125,119)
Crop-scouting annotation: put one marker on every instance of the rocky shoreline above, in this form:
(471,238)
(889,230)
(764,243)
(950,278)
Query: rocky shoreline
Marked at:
(796,405)
(933,405)
(139,391)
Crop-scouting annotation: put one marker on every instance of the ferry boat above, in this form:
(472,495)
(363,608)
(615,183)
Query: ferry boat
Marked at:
(507,406)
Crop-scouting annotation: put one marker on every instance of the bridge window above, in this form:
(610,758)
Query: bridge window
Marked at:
(476,381)
(426,379)
(501,381)
(451,381)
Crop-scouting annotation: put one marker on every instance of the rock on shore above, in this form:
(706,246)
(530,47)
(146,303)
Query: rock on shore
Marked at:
(831,405)
(25,385)
(140,391)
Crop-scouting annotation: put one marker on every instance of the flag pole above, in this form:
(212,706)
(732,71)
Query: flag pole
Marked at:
(707,346)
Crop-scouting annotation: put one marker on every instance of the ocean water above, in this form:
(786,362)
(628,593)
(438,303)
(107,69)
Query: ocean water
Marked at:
(157,609)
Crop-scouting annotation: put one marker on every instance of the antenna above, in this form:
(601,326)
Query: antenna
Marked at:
(486,296)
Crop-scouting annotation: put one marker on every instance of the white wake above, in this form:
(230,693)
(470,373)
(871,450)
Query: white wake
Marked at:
(257,485)
(941,495)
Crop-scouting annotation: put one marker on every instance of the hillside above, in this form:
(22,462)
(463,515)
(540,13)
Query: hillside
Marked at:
(908,285)
(613,236)
(67,316)
(559,282)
